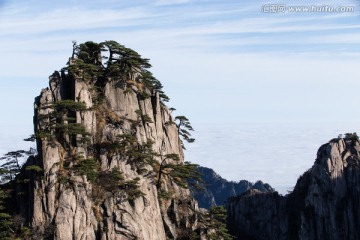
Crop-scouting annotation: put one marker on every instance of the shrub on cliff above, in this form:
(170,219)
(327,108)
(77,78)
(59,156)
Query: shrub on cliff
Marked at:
(5,220)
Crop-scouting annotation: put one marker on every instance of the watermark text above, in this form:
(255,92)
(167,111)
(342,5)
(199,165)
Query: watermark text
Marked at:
(282,8)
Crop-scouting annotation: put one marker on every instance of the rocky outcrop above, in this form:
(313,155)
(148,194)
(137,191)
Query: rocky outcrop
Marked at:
(325,203)
(216,190)
(78,121)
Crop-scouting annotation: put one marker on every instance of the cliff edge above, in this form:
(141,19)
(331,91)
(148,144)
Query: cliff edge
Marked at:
(110,163)
(325,203)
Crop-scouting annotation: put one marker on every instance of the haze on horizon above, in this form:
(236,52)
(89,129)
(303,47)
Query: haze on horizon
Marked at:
(223,64)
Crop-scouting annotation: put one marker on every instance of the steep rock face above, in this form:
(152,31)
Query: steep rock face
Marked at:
(325,203)
(257,215)
(217,190)
(76,208)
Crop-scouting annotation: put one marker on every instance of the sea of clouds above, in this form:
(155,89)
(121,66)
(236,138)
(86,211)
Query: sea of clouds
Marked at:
(276,153)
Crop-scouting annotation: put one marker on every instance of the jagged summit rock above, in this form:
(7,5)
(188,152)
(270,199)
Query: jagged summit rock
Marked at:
(217,190)
(104,136)
(325,203)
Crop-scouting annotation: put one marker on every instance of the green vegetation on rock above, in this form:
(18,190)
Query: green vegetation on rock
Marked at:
(217,219)
(6,232)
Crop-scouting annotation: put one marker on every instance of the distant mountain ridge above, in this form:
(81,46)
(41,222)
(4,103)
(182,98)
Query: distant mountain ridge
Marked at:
(217,190)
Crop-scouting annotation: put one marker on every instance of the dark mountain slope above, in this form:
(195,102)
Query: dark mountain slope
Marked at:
(217,190)
(325,203)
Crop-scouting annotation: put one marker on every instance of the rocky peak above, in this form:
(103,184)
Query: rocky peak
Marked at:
(111,159)
(324,204)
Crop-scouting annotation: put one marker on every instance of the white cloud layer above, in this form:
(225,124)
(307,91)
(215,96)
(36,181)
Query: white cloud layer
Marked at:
(276,153)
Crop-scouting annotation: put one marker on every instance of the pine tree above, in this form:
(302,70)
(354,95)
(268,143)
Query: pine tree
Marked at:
(12,165)
(217,220)
(184,126)
(180,173)
(5,219)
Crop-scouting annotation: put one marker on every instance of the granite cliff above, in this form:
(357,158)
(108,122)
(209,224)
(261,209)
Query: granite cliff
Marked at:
(325,203)
(110,162)
(217,190)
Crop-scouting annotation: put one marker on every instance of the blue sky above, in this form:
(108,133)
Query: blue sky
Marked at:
(220,61)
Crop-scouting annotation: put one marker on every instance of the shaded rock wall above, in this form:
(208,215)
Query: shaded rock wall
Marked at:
(324,204)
